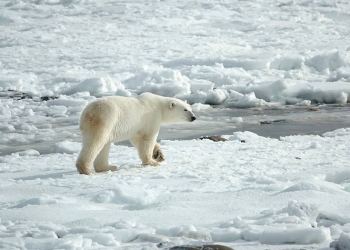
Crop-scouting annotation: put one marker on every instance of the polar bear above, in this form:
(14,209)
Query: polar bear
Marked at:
(117,118)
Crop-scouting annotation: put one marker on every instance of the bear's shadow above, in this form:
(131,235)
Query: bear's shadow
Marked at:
(46,176)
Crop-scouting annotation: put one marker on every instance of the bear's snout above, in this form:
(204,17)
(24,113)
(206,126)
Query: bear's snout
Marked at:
(193,118)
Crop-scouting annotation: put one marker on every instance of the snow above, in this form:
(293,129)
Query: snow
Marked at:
(238,63)
(257,198)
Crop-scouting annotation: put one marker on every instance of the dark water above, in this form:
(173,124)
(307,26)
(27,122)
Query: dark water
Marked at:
(267,122)
(272,122)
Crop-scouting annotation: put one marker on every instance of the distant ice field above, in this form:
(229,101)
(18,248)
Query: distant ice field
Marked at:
(237,54)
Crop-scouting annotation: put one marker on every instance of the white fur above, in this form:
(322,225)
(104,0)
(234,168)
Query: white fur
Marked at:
(117,118)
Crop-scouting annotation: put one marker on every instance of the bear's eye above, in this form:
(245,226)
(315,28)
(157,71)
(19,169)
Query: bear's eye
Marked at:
(185,109)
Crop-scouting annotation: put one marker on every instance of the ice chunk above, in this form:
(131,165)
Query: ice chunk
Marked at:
(268,91)
(165,82)
(201,85)
(94,86)
(197,97)
(66,147)
(343,243)
(217,96)
(226,235)
(296,236)
(67,102)
(247,101)
(200,107)
(330,60)
(287,62)
(338,176)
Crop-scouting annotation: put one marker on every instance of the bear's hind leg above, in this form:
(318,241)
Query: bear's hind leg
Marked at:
(82,163)
(158,153)
(91,148)
(101,161)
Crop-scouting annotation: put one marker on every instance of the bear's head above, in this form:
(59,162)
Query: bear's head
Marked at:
(178,111)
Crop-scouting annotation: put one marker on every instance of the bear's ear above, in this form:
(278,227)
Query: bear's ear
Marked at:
(172,104)
(185,101)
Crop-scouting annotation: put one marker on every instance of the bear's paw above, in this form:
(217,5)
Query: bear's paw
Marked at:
(158,155)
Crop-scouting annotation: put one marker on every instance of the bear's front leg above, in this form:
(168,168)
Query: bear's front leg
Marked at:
(158,153)
(101,161)
(145,145)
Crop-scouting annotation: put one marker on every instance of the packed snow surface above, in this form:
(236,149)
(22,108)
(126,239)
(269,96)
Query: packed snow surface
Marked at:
(276,59)
(247,191)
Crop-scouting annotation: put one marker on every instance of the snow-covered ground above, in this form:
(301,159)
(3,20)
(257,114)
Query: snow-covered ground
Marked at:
(246,195)
(275,60)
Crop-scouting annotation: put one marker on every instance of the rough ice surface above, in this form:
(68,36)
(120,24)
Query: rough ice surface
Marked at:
(178,49)
(264,191)
(249,192)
